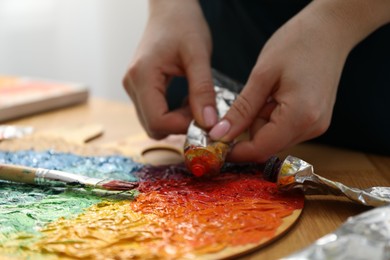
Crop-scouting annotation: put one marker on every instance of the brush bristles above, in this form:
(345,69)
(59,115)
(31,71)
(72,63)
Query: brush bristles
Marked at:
(120,185)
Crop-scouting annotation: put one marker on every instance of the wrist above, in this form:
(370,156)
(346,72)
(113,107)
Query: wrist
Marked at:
(347,21)
(157,7)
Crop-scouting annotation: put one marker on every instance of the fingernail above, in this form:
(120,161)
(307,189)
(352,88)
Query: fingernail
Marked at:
(219,130)
(209,116)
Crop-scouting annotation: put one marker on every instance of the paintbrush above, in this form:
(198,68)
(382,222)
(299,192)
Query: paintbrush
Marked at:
(40,176)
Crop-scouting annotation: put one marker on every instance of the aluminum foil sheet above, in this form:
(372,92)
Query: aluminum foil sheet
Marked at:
(295,173)
(10,131)
(365,236)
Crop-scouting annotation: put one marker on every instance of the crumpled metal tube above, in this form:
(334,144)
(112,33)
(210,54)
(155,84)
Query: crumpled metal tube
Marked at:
(226,91)
(198,145)
(224,98)
(365,236)
(295,173)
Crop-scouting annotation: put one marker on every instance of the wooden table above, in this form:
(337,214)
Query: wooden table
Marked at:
(321,215)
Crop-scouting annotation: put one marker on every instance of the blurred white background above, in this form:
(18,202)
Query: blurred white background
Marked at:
(87,41)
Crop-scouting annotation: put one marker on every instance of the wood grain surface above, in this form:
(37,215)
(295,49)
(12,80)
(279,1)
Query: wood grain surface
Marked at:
(322,214)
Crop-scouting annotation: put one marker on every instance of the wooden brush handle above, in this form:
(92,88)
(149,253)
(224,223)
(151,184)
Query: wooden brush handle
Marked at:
(17,173)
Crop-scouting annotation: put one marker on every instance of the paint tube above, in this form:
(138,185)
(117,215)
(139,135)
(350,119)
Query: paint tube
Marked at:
(203,156)
(294,173)
(365,236)
(10,131)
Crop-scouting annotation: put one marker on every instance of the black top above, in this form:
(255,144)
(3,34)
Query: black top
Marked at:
(361,117)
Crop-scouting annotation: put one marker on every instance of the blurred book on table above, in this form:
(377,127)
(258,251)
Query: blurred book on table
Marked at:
(22,96)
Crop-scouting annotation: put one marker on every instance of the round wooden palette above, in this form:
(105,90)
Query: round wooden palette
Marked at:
(226,251)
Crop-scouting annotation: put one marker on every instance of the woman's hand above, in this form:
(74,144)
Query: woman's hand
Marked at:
(290,94)
(176,42)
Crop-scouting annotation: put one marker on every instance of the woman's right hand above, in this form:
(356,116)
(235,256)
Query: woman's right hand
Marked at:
(176,42)
(290,94)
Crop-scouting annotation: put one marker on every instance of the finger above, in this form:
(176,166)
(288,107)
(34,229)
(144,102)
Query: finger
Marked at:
(260,121)
(201,88)
(129,86)
(159,121)
(267,109)
(263,117)
(270,139)
(246,107)
(314,127)
(288,125)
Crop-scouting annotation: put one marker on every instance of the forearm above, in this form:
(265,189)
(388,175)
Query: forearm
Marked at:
(349,20)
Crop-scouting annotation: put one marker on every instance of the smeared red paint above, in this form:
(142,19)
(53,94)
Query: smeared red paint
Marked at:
(120,185)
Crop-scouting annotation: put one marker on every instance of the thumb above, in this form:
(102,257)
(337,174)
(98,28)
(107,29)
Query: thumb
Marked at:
(245,108)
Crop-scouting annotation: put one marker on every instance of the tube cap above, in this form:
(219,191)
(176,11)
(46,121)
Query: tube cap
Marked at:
(198,170)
